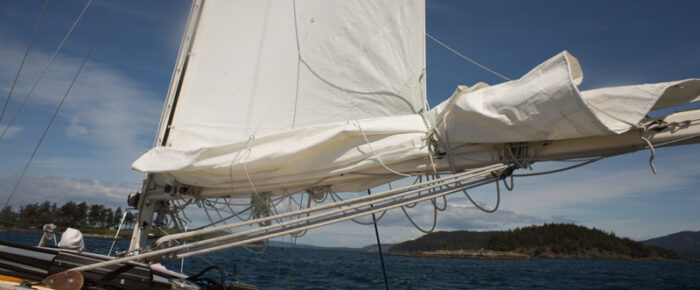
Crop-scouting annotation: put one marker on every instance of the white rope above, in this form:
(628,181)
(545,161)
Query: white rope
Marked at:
(466,58)
(245,163)
(498,200)
(432,228)
(644,130)
(377,155)
(653,153)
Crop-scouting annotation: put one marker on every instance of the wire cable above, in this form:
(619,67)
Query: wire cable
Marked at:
(379,245)
(466,58)
(24,58)
(63,99)
(46,68)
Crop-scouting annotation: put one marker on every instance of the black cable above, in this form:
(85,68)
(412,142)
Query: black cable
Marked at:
(379,245)
(198,275)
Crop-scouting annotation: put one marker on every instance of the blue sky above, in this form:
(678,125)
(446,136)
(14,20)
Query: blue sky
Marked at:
(110,116)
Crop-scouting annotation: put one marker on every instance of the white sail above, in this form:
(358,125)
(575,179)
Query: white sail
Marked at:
(257,67)
(320,97)
(544,105)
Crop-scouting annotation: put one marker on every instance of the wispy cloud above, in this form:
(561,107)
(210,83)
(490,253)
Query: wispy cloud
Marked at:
(109,115)
(600,183)
(11,131)
(60,190)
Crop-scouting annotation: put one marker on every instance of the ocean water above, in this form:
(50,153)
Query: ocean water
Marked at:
(279,268)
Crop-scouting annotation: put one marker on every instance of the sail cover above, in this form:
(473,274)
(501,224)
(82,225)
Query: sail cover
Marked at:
(263,66)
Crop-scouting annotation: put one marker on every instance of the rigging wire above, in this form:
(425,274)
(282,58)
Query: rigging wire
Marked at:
(293,239)
(335,197)
(379,244)
(24,58)
(46,68)
(466,58)
(116,235)
(63,99)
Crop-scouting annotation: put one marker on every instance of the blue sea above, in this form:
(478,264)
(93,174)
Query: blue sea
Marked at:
(279,268)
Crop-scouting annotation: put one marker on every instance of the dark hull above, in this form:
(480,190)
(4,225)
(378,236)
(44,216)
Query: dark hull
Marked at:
(37,263)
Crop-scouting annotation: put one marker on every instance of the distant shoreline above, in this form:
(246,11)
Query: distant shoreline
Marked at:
(472,255)
(499,255)
(122,235)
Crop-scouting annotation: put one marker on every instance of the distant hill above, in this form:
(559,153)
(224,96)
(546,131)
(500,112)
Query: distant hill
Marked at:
(687,243)
(548,240)
(456,240)
(281,244)
(374,248)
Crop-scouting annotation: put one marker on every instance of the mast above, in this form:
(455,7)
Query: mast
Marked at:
(145,206)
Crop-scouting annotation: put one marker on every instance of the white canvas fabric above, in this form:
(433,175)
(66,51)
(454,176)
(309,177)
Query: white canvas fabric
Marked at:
(545,104)
(263,66)
(72,239)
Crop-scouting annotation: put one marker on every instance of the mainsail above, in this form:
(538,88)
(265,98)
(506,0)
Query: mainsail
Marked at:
(260,67)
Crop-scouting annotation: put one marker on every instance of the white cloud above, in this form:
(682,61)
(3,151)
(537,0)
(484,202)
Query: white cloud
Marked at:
(600,183)
(75,129)
(109,115)
(60,190)
(11,131)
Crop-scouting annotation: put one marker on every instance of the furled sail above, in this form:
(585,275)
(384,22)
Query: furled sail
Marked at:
(543,105)
(546,104)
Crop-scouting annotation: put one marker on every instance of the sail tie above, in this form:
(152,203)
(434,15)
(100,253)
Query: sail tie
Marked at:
(379,159)
(245,163)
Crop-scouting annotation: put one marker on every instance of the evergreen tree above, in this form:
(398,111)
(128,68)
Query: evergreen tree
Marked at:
(82,214)
(117,216)
(7,214)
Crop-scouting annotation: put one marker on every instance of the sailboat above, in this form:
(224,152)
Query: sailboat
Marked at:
(274,101)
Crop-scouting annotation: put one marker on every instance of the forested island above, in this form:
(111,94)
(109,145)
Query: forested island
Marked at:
(544,241)
(91,219)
